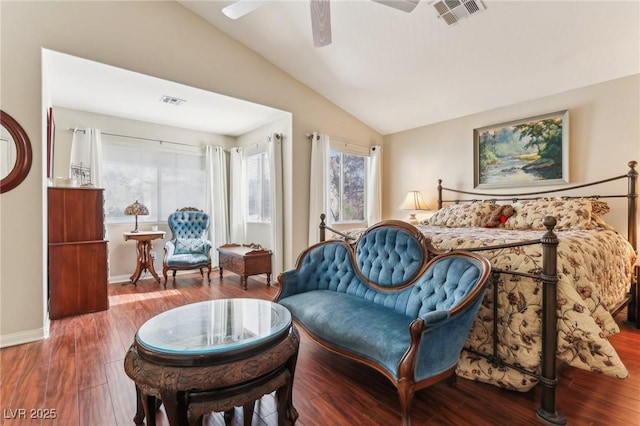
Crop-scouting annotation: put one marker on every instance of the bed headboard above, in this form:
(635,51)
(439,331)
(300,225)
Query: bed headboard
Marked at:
(631,195)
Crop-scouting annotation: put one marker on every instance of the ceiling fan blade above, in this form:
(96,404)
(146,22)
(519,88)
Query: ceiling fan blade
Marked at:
(242,7)
(404,5)
(320,22)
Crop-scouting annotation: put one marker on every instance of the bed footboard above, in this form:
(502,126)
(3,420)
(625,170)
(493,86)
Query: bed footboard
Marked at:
(548,275)
(549,278)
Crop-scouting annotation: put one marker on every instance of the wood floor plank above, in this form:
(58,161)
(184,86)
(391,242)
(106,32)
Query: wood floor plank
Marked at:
(90,371)
(109,340)
(96,407)
(122,391)
(62,387)
(11,368)
(511,408)
(31,387)
(79,372)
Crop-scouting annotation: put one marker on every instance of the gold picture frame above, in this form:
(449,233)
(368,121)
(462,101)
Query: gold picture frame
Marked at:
(531,151)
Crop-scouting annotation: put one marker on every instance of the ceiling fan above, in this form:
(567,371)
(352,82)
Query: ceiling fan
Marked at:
(320,14)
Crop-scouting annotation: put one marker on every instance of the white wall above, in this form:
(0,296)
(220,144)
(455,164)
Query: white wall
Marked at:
(604,135)
(161,39)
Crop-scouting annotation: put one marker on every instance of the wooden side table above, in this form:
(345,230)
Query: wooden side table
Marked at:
(145,262)
(245,260)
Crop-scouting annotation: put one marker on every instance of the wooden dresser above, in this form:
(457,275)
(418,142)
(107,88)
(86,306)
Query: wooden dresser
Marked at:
(78,273)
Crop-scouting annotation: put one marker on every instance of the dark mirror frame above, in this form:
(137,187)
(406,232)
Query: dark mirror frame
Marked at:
(23,153)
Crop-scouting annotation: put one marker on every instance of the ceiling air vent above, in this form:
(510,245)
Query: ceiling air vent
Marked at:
(171,100)
(451,11)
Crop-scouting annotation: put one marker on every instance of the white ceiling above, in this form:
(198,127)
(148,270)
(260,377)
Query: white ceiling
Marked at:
(396,71)
(390,69)
(85,85)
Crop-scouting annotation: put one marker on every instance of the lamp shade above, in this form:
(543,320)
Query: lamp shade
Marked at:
(413,201)
(136,209)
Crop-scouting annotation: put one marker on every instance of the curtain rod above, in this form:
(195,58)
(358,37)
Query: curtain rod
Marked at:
(137,137)
(346,142)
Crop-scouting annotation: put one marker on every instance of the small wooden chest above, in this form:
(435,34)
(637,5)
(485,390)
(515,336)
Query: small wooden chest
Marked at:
(245,260)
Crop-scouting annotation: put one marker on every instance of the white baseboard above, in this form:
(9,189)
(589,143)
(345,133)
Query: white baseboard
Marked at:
(25,336)
(123,279)
(119,279)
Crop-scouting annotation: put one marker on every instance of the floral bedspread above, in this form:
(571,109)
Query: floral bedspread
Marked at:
(594,271)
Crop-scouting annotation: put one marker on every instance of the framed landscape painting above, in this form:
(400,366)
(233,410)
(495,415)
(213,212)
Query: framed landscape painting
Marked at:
(532,151)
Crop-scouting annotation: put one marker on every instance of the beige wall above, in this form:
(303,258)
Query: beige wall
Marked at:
(161,39)
(604,133)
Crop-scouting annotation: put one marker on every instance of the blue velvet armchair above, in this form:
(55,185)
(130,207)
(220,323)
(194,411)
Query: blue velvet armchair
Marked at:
(188,247)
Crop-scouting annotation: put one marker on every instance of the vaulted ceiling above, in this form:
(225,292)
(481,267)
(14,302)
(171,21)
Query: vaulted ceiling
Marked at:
(396,71)
(390,69)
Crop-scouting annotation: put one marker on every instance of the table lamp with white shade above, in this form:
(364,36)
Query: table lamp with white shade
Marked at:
(414,203)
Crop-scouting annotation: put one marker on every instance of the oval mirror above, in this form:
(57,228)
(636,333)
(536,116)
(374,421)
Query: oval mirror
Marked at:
(15,153)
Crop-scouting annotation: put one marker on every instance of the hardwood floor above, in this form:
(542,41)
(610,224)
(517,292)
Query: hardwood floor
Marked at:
(78,374)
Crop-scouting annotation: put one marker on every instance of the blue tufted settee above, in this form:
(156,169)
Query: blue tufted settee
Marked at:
(389,301)
(188,247)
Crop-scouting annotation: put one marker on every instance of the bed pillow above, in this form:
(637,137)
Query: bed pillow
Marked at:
(569,213)
(599,207)
(461,215)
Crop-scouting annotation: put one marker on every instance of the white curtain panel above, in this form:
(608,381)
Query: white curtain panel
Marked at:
(320,151)
(86,156)
(216,202)
(238,208)
(277,197)
(374,186)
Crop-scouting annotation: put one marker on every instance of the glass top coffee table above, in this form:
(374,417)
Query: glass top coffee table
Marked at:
(212,330)
(214,356)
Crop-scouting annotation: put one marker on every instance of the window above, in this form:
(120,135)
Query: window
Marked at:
(258,188)
(347,183)
(162,180)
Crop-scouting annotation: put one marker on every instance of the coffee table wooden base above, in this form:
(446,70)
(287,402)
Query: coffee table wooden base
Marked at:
(201,403)
(189,392)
